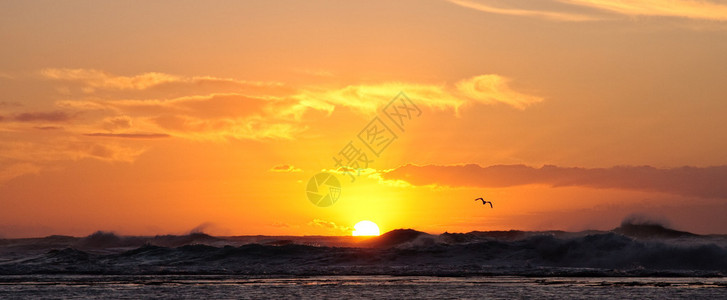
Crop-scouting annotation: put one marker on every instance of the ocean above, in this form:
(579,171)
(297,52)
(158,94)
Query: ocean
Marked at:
(357,287)
(642,261)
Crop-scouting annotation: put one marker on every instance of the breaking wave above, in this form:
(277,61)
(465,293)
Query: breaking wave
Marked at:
(633,249)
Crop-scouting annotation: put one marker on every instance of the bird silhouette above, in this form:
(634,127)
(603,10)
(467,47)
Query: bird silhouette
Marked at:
(484,202)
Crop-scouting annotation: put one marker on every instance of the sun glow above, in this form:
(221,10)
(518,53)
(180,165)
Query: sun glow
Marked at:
(365,228)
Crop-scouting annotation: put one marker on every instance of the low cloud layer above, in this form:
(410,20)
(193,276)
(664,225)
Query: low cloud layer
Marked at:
(707,182)
(330,225)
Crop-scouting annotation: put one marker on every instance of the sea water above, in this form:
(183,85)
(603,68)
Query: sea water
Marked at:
(357,287)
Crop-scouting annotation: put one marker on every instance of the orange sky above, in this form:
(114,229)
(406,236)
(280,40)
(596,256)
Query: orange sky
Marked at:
(154,118)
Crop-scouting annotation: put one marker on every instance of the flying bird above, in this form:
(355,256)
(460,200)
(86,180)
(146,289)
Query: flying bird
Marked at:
(484,202)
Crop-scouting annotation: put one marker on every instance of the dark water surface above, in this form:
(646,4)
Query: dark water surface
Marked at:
(357,287)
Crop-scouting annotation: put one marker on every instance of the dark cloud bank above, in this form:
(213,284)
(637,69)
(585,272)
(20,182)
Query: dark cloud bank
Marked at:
(707,182)
(54,116)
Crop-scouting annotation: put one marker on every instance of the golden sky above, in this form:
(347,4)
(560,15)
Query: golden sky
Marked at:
(159,117)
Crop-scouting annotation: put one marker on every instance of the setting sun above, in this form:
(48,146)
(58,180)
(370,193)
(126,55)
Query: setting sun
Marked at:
(366,228)
(167,148)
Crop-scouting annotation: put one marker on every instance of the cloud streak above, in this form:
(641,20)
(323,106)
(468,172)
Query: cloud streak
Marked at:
(66,148)
(491,89)
(210,117)
(486,89)
(285,168)
(17,170)
(54,116)
(707,182)
(674,8)
(96,79)
(129,135)
(548,15)
(594,10)
(48,127)
(330,225)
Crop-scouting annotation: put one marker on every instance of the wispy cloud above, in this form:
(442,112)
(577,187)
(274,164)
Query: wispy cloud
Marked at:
(330,225)
(693,9)
(592,10)
(16,170)
(66,148)
(221,129)
(549,15)
(117,122)
(53,116)
(483,89)
(278,114)
(10,104)
(210,117)
(707,182)
(285,168)
(48,127)
(490,89)
(129,135)
(97,79)
(101,122)
(283,225)
(316,73)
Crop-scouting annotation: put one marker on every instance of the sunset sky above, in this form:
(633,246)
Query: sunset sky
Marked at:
(161,117)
